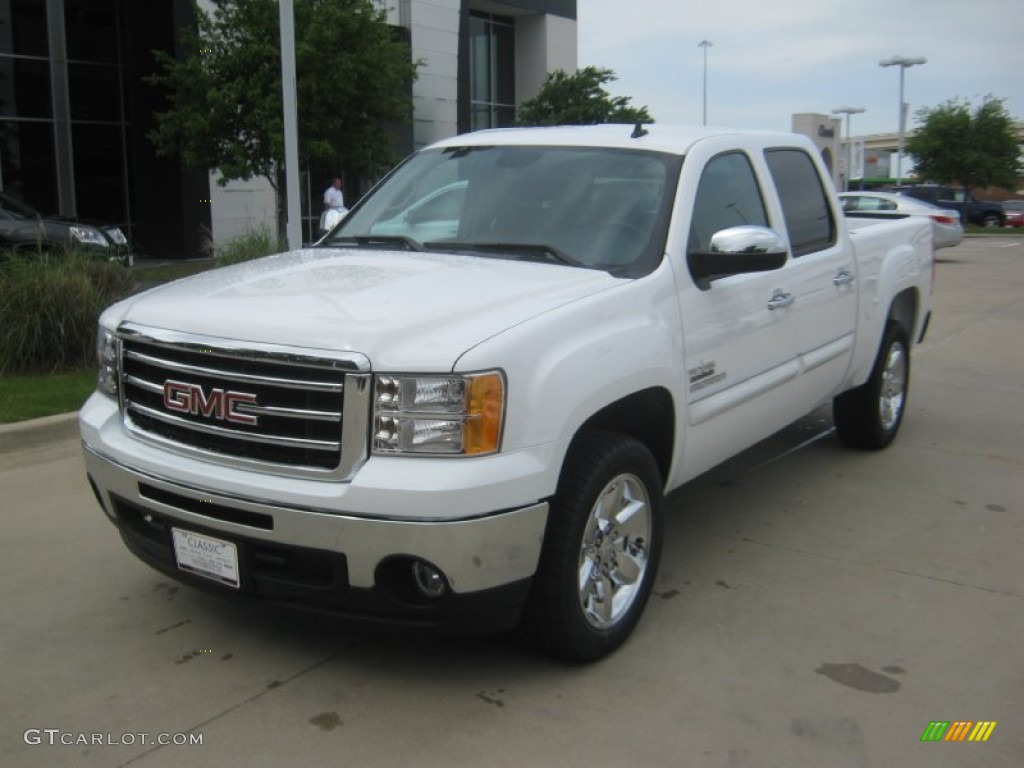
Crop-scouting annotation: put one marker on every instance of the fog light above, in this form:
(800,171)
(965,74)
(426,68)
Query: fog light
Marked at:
(428,580)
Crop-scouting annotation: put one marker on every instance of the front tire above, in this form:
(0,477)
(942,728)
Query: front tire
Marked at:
(601,549)
(869,416)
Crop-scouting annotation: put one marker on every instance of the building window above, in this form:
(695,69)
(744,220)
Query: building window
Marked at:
(25,87)
(23,27)
(27,169)
(492,81)
(93,30)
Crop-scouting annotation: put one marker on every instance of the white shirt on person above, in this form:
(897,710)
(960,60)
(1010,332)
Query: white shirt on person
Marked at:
(334,199)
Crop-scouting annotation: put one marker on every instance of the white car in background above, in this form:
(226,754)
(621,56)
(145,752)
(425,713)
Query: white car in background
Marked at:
(947,231)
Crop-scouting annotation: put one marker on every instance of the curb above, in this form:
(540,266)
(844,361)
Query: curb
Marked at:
(35,432)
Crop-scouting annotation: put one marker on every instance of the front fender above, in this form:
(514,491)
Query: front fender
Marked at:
(565,365)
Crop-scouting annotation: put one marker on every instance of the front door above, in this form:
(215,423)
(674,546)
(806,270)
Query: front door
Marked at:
(740,333)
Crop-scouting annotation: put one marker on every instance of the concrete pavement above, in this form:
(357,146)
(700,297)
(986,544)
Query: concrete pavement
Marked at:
(815,607)
(21,435)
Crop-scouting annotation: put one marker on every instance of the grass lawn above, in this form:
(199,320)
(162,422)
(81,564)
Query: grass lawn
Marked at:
(974,229)
(29,397)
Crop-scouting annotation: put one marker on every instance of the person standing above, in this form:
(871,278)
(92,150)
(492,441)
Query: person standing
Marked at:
(334,206)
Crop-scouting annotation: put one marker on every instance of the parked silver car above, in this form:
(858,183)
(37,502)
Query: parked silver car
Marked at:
(947,230)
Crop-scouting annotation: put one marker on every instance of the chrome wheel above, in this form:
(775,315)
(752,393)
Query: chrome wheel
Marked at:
(601,548)
(894,386)
(614,552)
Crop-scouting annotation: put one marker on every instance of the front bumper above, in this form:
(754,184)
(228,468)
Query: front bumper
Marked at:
(333,562)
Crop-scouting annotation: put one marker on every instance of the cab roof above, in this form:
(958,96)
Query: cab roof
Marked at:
(673,139)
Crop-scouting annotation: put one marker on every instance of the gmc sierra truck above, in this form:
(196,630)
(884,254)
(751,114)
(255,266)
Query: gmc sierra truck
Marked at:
(461,409)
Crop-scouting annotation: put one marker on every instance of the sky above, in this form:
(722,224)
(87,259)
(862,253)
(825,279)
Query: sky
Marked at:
(770,59)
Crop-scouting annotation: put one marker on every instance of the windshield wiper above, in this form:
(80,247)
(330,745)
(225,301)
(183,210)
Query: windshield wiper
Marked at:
(533,251)
(408,242)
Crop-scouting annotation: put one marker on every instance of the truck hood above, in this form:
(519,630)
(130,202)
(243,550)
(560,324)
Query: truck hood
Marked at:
(404,311)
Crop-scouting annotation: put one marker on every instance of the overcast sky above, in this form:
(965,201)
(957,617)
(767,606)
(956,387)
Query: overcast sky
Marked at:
(773,58)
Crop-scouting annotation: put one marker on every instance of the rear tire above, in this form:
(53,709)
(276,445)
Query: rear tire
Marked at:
(601,549)
(869,416)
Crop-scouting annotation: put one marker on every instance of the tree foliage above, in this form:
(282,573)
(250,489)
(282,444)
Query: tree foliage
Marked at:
(224,92)
(579,99)
(956,145)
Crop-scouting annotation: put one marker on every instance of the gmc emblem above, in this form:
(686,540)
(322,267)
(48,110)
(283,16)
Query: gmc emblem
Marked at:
(221,404)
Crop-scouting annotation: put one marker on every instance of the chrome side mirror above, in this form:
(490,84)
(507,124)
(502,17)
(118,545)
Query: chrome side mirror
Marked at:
(738,250)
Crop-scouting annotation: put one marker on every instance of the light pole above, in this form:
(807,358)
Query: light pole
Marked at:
(293,213)
(705,44)
(902,62)
(849,147)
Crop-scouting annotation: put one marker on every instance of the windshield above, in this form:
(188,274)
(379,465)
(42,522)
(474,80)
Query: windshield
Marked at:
(14,209)
(590,207)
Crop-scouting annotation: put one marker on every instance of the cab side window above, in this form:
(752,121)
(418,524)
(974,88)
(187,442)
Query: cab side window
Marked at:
(727,196)
(809,219)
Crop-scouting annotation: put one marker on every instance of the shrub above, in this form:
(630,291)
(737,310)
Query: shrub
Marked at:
(48,309)
(253,245)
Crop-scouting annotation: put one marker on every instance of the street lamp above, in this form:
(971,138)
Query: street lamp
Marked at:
(705,44)
(849,147)
(902,62)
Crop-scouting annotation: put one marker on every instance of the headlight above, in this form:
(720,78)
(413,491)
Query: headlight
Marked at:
(115,234)
(88,236)
(106,362)
(448,415)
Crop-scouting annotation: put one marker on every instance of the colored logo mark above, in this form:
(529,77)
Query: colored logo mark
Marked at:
(958,730)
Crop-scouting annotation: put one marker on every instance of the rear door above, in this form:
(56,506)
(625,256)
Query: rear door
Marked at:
(823,273)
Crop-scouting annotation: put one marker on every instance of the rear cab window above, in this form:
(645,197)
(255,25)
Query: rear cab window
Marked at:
(810,222)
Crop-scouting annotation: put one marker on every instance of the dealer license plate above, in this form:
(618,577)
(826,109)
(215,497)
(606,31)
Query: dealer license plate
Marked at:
(206,556)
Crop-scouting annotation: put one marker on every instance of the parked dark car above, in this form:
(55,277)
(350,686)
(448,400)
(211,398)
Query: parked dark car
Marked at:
(23,229)
(984,213)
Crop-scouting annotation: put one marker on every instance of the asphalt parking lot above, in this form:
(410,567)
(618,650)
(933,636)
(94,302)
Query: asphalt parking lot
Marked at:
(815,607)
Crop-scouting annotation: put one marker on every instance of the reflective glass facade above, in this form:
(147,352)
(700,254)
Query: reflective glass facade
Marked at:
(63,124)
(492,81)
(74,111)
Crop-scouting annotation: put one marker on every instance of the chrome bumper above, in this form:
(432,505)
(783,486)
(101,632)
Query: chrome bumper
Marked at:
(478,553)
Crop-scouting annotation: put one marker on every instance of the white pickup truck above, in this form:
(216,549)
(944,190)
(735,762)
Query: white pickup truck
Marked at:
(462,408)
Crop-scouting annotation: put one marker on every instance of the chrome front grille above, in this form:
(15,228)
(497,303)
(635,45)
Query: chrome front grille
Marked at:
(294,411)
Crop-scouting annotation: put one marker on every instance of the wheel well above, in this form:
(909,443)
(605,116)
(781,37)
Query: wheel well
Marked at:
(904,310)
(648,416)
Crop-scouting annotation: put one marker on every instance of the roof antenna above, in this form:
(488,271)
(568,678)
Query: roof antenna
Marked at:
(639,131)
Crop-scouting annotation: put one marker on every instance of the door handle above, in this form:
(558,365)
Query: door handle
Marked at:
(843,277)
(780,300)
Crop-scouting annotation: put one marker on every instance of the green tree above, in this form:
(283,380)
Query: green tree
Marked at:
(579,99)
(972,148)
(224,93)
